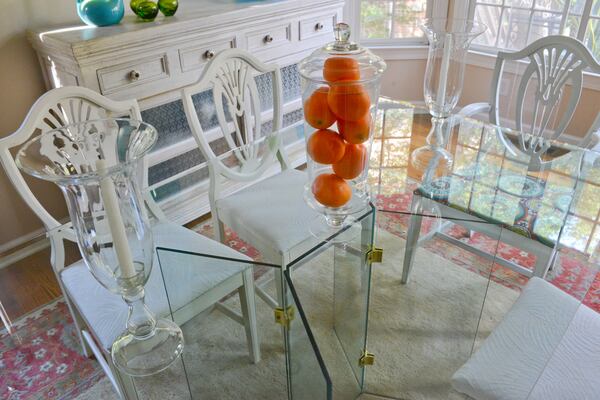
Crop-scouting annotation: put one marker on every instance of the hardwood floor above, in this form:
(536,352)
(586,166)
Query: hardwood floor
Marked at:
(31,283)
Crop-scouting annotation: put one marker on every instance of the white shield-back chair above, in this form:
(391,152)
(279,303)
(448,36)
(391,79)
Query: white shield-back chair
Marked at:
(271,215)
(555,72)
(554,62)
(99,315)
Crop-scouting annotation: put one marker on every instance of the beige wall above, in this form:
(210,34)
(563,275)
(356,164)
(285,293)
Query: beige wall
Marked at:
(21,84)
(403,79)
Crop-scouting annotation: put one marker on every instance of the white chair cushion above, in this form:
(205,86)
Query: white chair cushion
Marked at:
(106,313)
(271,214)
(546,347)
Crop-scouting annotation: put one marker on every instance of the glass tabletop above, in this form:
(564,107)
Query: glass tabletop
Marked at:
(344,305)
(489,179)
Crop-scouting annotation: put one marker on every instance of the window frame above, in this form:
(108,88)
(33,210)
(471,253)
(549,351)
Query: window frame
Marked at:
(583,22)
(411,49)
(433,9)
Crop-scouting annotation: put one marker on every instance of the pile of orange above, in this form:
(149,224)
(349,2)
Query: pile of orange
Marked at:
(346,102)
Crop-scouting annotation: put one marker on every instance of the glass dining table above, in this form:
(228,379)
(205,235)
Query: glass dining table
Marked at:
(400,299)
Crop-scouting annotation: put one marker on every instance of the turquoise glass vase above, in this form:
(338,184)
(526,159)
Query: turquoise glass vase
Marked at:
(100,12)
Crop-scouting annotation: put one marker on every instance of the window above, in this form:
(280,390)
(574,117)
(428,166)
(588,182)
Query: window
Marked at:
(512,24)
(390,20)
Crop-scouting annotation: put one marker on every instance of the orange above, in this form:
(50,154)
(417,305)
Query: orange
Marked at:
(348,101)
(326,146)
(331,190)
(353,162)
(341,68)
(316,110)
(355,131)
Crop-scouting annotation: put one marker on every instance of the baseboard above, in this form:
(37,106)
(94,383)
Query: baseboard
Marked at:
(21,240)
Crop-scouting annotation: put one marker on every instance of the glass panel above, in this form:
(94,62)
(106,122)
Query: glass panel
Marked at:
(490,16)
(520,3)
(375,19)
(212,299)
(595,8)
(389,19)
(308,376)
(544,24)
(592,37)
(423,331)
(514,27)
(553,5)
(405,18)
(577,6)
(351,281)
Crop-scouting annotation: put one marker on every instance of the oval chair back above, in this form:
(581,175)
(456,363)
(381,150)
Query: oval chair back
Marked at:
(554,63)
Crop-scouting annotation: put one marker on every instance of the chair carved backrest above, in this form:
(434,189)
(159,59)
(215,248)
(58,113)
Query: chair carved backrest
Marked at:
(231,77)
(54,109)
(554,63)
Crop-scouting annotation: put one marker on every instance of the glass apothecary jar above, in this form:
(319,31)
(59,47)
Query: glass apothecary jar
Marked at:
(340,89)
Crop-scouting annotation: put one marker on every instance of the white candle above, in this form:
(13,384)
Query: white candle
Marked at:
(441,94)
(115,223)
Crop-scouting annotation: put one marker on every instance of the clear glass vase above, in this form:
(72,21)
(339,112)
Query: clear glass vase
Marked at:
(95,163)
(340,91)
(449,42)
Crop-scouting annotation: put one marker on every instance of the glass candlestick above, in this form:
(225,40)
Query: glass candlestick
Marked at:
(94,163)
(449,41)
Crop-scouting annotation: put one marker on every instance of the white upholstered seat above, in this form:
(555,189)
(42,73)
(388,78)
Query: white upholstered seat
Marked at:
(272,211)
(546,348)
(107,312)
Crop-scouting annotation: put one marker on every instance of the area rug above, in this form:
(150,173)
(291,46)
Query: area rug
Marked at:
(42,359)
(420,333)
(572,273)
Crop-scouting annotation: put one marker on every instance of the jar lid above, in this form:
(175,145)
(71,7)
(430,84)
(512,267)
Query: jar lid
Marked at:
(342,60)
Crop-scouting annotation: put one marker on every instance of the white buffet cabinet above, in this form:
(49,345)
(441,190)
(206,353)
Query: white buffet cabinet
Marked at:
(152,61)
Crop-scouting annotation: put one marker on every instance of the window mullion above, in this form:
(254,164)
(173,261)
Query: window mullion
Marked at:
(498,32)
(531,12)
(585,17)
(565,16)
(393,19)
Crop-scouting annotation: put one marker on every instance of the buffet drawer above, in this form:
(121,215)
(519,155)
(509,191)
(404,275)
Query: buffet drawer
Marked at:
(194,57)
(317,25)
(132,74)
(268,38)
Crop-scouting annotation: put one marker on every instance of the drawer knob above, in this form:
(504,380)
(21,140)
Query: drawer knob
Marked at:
(209,54)
(318,26)
(268,39)
(134,75)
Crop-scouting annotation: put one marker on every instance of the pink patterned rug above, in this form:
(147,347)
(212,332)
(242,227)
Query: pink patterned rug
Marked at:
(572,273)
(42,359)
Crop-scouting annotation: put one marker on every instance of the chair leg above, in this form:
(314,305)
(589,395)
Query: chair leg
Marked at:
(122,383)
(543,261)
(219,230)
(412,238)
(5,319)
(79,323)
(247,301)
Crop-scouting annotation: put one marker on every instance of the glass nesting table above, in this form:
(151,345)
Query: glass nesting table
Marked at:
(398,301)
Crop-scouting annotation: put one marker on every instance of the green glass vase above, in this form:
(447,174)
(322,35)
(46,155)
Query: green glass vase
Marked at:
(168,7)
(145,9)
